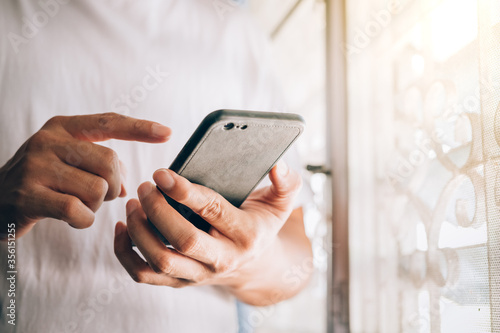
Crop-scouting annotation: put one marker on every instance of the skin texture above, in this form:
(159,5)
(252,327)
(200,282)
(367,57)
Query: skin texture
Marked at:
(59,173)
(255,251)
(259,251)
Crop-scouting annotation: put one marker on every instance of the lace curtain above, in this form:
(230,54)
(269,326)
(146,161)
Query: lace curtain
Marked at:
(424,147)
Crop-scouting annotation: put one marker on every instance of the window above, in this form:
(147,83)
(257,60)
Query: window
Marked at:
(423,94)
(410,94)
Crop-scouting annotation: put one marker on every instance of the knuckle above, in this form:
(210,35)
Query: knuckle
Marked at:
(183,195)
(28,173)
(86,223)
(111,158)
(211,209)
(28,166)
(190,245)
(280,193)
(162,264)
(98,189)
(224,266)
(251,239)
(155,209)
(138,276)
(110,163)
(53,121)
(138,125)
(290,190)
(18,198)
(38,140)
(106,120)
(179,283)
(69,208)
(200,277)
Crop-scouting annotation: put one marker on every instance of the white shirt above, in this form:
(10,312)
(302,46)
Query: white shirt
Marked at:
(176,61)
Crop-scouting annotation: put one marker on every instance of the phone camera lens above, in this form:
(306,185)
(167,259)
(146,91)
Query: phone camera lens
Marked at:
(228,126)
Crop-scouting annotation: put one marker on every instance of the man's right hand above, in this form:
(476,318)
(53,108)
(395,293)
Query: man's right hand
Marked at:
(60,173)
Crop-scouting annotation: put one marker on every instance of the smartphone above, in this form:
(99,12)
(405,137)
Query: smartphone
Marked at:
(231,151)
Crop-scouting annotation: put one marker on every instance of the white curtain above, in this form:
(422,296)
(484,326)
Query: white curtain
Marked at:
(424,156)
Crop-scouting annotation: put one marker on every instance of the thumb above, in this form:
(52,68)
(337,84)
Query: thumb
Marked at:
(286,184)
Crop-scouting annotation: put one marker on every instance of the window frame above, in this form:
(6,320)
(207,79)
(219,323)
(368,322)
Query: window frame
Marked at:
(337,135)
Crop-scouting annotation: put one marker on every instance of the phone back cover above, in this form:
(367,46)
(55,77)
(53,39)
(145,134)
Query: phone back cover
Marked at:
(233,162)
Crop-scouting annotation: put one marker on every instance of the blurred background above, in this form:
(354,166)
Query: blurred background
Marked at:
(403,96)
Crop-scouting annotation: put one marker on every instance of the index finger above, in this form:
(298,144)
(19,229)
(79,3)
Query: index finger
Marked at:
(105,126)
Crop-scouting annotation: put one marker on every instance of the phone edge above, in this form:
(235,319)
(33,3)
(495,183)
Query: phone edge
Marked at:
(219,115)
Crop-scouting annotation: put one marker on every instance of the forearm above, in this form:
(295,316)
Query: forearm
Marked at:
(281,271)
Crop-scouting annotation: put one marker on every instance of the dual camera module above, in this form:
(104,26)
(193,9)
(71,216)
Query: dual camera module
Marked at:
(230,126)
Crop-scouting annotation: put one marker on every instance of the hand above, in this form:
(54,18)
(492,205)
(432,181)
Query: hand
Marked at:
(237,239)
(60,173)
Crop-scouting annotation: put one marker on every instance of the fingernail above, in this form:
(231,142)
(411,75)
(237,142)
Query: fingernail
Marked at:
(282,169)
(131,206)
(160,131)
(145,189)
(164,179)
